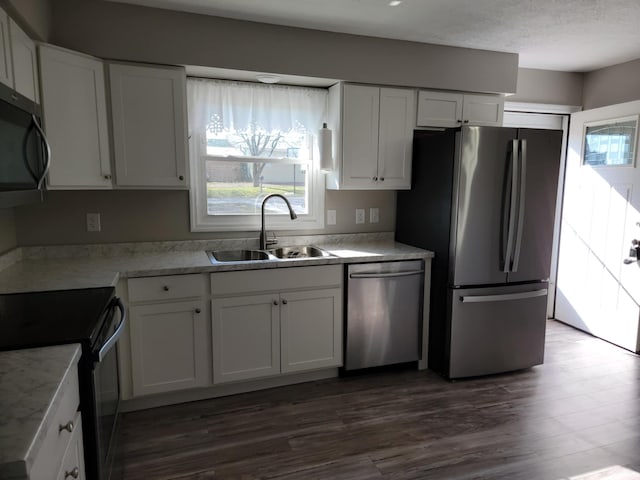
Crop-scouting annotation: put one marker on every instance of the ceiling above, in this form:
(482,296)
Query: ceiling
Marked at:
(565,35)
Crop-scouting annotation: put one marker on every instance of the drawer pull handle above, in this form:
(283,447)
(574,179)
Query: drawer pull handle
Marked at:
(275,302)
(198,310)
(68,427)
(284,302)
(165,288)
(75,473)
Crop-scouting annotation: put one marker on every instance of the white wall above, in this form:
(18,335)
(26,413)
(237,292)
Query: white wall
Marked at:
(549,87)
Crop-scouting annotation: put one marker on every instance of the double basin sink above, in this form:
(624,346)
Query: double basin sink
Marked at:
(282,253)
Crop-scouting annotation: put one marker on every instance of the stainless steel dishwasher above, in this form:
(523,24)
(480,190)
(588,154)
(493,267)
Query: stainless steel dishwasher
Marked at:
(384,313)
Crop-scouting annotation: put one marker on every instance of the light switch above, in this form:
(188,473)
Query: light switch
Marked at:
(331,217)
(93,222)
(359,215)
(374,215)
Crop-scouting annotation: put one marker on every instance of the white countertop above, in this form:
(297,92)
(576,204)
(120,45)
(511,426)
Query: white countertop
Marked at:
(104,269)
(31,385)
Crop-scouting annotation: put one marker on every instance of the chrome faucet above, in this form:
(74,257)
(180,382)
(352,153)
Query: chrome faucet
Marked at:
(263,235)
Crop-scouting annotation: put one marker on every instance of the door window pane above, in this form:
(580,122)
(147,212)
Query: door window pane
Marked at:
(610,143)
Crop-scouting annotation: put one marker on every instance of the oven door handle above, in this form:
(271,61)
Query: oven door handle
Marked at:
(108,345)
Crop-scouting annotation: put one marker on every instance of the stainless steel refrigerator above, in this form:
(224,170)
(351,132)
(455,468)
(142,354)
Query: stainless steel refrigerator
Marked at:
(483,199)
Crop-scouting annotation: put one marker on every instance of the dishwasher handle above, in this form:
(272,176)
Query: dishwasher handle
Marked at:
(386,275)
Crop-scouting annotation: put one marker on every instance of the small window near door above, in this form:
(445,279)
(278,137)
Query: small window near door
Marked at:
(611,142)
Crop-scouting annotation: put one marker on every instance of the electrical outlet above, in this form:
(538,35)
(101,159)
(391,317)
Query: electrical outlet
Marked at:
(93,222)
(331,217)
(359,215)
(374,215)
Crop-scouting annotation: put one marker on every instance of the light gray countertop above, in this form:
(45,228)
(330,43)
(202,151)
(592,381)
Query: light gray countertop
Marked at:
(87,270)
(31,386)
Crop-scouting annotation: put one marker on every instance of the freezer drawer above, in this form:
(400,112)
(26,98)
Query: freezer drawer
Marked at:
(497,329)
(384,313)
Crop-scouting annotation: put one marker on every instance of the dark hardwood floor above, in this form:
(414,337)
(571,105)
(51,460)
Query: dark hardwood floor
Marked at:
(577,416)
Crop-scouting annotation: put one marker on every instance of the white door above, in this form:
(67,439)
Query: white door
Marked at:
(596,290)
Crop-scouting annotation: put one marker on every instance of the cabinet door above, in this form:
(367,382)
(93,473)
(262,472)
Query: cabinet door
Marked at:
(25,64)
(483,110)
(6,72)
(397,121)
(439,109)
(75,118)
(73,460)
(361,110)
(311,329)
(246,337)
(149,126)
(169,347)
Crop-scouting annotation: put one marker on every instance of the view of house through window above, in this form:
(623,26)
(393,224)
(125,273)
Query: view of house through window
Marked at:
(250,140)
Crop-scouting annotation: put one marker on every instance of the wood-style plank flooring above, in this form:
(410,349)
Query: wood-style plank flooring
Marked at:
(577,416)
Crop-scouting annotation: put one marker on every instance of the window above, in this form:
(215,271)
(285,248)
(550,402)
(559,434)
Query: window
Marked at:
(610,143)
(247,141)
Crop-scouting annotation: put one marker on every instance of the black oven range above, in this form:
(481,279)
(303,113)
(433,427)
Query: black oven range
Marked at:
(94,318)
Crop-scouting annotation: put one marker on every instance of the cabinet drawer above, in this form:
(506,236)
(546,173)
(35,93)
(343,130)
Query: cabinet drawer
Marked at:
(57,438)
(169,287)
(251,281)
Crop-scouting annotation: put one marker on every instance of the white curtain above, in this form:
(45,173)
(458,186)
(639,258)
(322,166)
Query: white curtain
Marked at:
(218,105)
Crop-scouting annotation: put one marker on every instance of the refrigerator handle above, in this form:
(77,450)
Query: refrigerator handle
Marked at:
(511,230)
(521,203)
(504,297)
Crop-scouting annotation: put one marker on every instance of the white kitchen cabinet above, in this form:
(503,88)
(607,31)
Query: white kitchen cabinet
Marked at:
(311,329)
(75,118)
(246,337)
(6,70)
(269,322)
(373,137)
(148,105)
(24,63)
(73,460)
(450,109)
(62,444)
(169,334)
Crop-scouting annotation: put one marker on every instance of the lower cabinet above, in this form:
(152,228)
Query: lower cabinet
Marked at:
(295,327)
(169,334)
(73,460)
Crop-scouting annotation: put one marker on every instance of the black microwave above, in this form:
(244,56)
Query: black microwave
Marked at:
(24,151)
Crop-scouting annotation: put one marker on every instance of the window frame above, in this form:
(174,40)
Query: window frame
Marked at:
(201,221)
(610,121)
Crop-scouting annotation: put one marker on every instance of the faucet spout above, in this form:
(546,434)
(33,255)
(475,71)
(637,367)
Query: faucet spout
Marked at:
(263,235)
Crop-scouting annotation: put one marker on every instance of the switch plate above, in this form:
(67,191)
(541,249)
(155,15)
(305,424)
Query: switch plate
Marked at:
(374,215)
(93,222)
(331,217)
(359,215)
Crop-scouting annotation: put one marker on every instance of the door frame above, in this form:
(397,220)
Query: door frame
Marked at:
(532,115)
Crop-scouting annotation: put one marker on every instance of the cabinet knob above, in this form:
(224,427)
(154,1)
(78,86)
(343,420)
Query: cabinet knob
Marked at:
(275,302)
(75,473)
(165,288)
(382,179)
(459,121)
(68,427)
(181,177)
(198,310)
(466,121)
(284,302)
(375,179)
(107,177)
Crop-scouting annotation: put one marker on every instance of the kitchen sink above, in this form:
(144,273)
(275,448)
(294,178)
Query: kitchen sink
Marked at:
(237,255)
(307,251)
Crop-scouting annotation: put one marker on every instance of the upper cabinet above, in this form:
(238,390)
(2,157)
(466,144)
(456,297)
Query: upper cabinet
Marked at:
(75,118)
(444,109)
(373,135)
(148,105)
(24,63)
(6,72)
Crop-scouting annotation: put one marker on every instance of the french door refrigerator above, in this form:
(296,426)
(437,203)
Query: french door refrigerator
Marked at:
(483,199)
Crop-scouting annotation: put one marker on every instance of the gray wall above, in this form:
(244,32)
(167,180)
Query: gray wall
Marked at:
(8,238)
(611,85)
(546,86)
(34,16)
(131,216)
(129,32)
